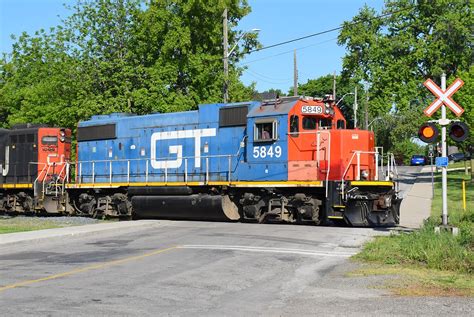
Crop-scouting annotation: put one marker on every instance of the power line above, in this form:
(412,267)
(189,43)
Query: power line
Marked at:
(287,52)
(275,80)
(326,31)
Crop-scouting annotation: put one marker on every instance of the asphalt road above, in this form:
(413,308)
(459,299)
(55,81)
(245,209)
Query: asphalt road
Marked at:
(202,268)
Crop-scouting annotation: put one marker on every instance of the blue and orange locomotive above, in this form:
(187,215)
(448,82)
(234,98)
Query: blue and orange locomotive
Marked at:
(290,159)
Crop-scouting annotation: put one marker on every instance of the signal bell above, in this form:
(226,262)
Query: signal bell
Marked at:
(458,131)
(428,133)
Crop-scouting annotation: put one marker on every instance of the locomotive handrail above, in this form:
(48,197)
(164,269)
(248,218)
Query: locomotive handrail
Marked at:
(317,133)
(392,165)
(206,173)
(356,154)
(79,164)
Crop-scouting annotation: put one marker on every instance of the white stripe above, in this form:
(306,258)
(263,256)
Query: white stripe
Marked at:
(437,91)
(453,106)
(457,83)
(270,250)
(433,107)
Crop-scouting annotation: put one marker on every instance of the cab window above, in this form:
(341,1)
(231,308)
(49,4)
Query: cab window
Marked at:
(325,124)
(309,123)
(294,125)
(265,131)
(341,124)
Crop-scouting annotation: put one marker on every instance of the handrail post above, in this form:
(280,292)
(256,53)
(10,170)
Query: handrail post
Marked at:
(186,170)
(376,166)
(230,168)
(166,172)
(110,173)
(128,172)
(80,172)
(318,148)
(93,172)
(328,170)
(358,165)
(207,170)
(388,167)
(146,171)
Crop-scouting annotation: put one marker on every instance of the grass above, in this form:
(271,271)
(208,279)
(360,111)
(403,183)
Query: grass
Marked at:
(430,263)
(419,281)
(22,223)
(10,225)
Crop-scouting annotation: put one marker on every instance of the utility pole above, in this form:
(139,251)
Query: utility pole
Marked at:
(295,75)
(226,57)
(355,107)
(366,110)
(334,87)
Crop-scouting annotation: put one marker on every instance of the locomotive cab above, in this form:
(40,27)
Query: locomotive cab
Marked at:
(33,162)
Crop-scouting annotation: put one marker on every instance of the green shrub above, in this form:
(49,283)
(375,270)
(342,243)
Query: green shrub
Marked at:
(426,248)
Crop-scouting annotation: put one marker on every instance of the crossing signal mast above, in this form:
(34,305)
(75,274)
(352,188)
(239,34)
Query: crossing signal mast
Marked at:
(458,131)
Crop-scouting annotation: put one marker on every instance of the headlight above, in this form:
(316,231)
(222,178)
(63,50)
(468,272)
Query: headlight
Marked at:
(364,174)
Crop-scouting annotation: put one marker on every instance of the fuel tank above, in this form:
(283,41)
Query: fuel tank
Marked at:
(190,207)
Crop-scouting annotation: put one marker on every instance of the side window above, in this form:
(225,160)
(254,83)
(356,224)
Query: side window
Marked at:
(309,123)
(340,124)
(294,125)
(265,131)
(325,124)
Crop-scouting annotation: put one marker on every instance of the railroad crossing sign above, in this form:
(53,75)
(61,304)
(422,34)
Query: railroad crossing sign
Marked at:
(443,96)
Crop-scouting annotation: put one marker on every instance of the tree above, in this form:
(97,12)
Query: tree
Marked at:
(395,54)
(123,56)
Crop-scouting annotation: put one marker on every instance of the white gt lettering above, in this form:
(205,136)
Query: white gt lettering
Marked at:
(178,149)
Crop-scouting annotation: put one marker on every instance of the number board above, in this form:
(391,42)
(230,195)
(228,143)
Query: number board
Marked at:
(312,109)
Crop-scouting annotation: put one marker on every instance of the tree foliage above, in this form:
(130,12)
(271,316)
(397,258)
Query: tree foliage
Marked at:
(123,56)
(395,54)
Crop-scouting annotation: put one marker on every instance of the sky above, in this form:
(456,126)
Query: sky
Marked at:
(278,21)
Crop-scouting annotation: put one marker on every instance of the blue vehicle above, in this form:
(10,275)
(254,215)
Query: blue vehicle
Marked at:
(417,160)
(290,160)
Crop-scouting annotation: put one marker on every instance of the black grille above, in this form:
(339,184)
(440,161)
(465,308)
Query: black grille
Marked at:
(96,132)
(233,116)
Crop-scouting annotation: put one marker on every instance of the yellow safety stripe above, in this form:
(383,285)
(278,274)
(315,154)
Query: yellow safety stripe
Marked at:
(231,184)
(335,217)
(16,186)
(371,183)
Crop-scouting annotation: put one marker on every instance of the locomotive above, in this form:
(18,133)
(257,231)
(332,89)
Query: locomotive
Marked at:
(284,160)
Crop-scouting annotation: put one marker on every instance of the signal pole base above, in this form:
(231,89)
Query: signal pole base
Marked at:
(447,228)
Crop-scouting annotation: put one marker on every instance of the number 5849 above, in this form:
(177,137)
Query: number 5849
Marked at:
(263,151)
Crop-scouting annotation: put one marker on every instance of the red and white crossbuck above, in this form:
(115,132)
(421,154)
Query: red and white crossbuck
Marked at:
(443,97)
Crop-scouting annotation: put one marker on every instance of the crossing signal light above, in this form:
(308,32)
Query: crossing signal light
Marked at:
(428,133)
(458,131)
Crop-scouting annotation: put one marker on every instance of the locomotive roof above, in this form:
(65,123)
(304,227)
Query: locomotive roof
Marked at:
(256,109)
(273,107)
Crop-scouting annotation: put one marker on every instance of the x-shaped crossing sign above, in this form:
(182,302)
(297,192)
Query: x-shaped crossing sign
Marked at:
(443,97)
